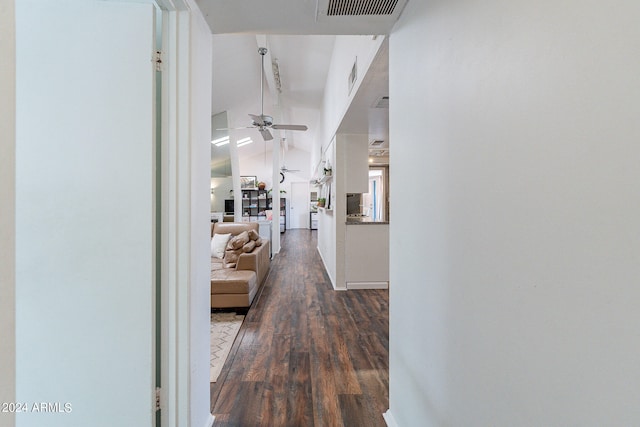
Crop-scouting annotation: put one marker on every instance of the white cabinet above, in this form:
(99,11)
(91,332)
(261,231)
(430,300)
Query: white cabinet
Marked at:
(313,220)
(264,230)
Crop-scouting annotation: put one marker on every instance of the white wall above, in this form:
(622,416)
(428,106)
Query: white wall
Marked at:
(7,207)
(293,159)
(200,290)
(221,188)
(85,212)
(337,97)
(515,302)
(327,223)
(336,101)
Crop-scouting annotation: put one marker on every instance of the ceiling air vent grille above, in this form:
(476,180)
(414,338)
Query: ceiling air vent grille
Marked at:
(361,7)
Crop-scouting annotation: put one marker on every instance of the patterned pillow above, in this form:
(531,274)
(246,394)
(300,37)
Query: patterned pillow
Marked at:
(253,235)
(249,246)
(238,241)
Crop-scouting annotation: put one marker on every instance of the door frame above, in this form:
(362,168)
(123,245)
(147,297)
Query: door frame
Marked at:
(184,398)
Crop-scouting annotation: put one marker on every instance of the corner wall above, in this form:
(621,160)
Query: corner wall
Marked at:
(515,166)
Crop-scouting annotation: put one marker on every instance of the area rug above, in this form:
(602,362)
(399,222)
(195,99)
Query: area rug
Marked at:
(224,329)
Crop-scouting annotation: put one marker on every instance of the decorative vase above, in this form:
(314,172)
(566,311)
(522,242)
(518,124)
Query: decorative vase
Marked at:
(261,186)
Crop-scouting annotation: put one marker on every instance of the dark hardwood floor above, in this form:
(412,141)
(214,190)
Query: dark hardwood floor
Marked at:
(307,355)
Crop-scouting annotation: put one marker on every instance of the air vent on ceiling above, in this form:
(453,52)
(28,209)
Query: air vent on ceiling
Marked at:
(361,7)
(381,11)
(382,102)
(376,142)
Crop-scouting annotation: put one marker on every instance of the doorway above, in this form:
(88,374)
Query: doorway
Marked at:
(376,201)
(299,208)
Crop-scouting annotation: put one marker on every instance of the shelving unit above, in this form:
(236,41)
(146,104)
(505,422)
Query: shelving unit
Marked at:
(254,204)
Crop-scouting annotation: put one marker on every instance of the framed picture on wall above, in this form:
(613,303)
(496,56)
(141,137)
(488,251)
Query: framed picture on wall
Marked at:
(248,182)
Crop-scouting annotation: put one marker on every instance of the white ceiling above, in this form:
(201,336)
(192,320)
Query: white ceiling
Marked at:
(293,17)
(302,46)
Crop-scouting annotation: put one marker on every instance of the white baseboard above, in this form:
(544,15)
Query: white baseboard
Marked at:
(388,418)
(324,264)
(367,285)
(210,421)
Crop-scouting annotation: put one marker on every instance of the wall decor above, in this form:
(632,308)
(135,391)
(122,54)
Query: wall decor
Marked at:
(248,182)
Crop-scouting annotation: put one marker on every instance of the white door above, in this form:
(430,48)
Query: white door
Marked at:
(85,202)
(299,207)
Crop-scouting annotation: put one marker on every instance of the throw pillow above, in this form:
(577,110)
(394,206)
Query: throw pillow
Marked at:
(238,241)
(259,241)
(249,246)
(253,235)
(218,244)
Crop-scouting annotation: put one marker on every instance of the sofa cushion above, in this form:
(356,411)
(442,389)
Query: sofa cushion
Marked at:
(231,256)
(232,281)
(233,227)
(238,241)
(218,244)
(217,264)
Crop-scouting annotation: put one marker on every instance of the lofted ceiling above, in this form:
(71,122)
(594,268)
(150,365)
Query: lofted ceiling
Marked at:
(303,62)
(300,40)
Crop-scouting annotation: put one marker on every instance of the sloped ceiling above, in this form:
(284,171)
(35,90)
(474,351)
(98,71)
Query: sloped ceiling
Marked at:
(301,44)
(303,62)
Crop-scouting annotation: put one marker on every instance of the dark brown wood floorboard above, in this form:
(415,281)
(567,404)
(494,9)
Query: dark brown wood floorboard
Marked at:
(306,355)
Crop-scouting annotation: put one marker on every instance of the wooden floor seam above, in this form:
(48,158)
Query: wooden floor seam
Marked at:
(306,355)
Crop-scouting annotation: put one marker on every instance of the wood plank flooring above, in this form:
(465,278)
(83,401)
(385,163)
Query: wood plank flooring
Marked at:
(307,355)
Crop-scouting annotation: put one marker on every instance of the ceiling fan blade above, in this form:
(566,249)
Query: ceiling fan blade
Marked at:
(266,135)
(258,120)
(290,127)
(243,127)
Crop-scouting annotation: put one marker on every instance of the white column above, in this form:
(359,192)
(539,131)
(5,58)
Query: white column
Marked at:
(235,174)
(275,194)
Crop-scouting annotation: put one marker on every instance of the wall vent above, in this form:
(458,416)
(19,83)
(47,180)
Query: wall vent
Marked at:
(361,7)
(376,142)
(382,11)
(382,102)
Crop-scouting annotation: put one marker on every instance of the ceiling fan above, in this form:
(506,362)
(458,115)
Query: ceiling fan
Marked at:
(263,122)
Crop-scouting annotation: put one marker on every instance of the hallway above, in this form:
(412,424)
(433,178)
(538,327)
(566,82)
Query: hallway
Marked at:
(306,355)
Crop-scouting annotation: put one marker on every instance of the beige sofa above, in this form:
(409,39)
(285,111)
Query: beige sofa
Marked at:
(236,287)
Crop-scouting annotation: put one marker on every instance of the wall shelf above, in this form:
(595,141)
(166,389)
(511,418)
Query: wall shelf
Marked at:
(325,178)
